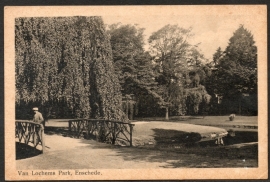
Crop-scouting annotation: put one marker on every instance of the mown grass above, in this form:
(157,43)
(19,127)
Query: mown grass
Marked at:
(208,119)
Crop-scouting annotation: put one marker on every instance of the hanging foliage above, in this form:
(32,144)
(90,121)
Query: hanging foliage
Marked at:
(196,96)
(66,60)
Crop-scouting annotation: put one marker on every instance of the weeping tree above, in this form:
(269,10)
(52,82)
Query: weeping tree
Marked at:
(64,65)
(196,97)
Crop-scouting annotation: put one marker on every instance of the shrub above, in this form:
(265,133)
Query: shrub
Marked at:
(231,117)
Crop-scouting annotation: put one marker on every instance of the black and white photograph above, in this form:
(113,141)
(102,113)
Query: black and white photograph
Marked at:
(136,92)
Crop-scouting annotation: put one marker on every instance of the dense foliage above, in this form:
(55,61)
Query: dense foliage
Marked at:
(178,68)
(235,78)
(73,67)
(134,68)
(64,66)
(169,47)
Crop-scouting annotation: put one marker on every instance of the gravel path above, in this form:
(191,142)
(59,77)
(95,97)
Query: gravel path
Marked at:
(70,153)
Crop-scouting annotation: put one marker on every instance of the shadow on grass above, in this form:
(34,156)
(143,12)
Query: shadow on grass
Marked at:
(24,151)
(171,151)
(185,157)
(171,137)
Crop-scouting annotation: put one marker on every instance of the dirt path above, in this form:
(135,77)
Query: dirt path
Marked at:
(69,153)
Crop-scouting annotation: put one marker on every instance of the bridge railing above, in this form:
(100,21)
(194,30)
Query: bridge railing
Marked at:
(114,132)
(30,133)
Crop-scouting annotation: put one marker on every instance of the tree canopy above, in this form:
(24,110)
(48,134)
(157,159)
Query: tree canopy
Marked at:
(236,75)
(66,62)
(178,69)
(74,67)
(132,64)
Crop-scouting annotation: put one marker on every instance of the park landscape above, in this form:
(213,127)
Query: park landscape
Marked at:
(187,110)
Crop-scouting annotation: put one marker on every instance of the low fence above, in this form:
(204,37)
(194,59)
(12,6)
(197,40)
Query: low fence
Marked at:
(114,132)
(30,133)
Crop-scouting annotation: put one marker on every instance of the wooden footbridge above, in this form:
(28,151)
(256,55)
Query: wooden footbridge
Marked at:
(113,132)
(30,133)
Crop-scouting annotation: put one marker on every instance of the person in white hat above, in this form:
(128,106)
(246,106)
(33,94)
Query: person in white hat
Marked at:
(38,118)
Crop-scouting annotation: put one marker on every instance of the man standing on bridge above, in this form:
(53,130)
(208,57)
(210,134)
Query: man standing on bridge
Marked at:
(38,118)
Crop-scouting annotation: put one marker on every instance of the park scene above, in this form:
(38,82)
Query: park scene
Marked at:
(115,95)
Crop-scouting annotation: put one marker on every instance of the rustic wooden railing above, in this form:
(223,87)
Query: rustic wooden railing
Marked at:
(30,133)
(114,132)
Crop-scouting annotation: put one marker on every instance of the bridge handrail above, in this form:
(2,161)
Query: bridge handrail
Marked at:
(106,120)
(23,133)
(91,128)
(28,121)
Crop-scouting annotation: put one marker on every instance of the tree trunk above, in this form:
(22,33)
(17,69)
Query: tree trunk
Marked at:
(240,107)
(127,108)
(167,113)
(131,110)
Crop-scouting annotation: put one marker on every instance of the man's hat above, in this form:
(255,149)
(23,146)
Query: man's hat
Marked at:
(35,109)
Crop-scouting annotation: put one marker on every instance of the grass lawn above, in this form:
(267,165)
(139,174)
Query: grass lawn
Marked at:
(146,133)
(238,151)
(147,129)
(206,119)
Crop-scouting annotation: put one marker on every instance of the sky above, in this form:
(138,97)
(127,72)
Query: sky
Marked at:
(213,25)
(211,30)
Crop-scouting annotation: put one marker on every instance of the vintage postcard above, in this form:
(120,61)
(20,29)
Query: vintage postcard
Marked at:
(135,92)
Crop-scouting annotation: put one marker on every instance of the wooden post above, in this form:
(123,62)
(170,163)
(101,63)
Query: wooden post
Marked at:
(69,125)
(78,129)
(34,136)
(131,110)
(114,133)
(130,139)
(43,139)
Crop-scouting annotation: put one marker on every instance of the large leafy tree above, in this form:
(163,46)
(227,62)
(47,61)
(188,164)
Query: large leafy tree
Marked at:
(170,46)
(127,43)
(65,65)
(236,75)
(180,70)
(132,64)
